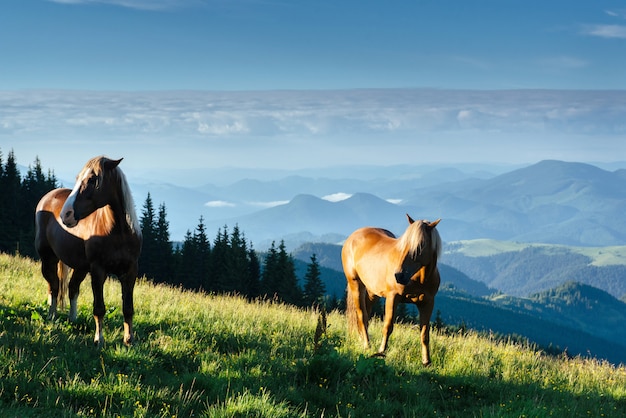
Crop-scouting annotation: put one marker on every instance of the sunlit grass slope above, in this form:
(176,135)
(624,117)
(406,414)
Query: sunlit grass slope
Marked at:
(219,356)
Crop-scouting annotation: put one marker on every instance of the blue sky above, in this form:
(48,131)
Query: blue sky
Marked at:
(294,44)
(270,83)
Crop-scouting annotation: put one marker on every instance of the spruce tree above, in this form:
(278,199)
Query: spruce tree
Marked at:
(12,212)
(203,250)
(219,263)
(149,257)
(164,253)
(314,289)
(269,276)
(252,285)
(288,289)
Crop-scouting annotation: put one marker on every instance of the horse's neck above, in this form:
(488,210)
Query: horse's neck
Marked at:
(121,221)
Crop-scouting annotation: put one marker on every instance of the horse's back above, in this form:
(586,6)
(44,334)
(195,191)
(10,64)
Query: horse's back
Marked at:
(52,201)
(366,249)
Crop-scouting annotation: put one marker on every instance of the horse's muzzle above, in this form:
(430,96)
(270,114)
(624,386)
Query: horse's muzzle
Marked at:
(69,218)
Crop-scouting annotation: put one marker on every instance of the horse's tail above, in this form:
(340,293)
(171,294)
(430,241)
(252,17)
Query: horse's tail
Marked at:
(63,271)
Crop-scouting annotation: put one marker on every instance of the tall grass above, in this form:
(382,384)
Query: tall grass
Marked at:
(222,356)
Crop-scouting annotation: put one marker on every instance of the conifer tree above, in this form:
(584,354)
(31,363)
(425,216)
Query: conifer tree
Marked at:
(288,288)
(10,184)
(237,262)
(163,247)
(187,270)
(314,289)
(203,251)
(149,257)
(269,276)
(252,285)
(219,262)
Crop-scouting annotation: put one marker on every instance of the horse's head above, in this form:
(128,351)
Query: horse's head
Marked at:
(93,190)
(422,246)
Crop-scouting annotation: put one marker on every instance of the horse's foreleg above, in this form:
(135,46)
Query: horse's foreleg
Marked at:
(74,290)
(128,285)
(390,309)
(426,310)
(98,277)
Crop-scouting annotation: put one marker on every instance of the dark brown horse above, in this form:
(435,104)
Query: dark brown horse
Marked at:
(93,229)
(402,270)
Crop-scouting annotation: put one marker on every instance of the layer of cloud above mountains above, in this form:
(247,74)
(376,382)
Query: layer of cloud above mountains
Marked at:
(288,129)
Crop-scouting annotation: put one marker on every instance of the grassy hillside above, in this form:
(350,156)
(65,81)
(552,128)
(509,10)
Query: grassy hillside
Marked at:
(218,356)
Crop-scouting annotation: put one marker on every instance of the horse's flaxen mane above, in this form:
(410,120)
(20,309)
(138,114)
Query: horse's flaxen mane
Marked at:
(96,165)
(414,238)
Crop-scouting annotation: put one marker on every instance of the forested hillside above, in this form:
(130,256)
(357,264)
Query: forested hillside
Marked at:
(538,268)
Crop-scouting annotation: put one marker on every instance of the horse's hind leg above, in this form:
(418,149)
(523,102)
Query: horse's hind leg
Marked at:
(74,289)
(357,295)
(49,266)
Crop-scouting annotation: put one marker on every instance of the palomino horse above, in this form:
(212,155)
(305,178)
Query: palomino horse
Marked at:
(401,270)
(92,229)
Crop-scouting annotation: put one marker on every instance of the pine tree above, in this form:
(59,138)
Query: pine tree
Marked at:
(237,262)
(163,247)
(288,289)
(314,289)
(187,272)
(203,250)
(252,285)
(11,211)
(219,263)
(269,276)
(149,256)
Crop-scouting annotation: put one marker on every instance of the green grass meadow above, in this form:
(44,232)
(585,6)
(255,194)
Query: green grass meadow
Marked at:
(200,355)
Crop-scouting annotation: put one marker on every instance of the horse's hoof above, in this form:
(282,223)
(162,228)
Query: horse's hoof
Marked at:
(379,355)
(426,364)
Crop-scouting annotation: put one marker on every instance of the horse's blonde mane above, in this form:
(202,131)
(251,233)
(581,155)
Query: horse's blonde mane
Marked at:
(414,238)
(96,165)
(129,204)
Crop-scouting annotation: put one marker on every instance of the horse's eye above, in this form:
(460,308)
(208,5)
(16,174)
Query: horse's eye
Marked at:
(93,182)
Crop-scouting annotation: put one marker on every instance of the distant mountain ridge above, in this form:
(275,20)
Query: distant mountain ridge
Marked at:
(551,201)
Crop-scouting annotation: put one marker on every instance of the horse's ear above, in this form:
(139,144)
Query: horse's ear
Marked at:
(410,219)
(434,223)
(111,164)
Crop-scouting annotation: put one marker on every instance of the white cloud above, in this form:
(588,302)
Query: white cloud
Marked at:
(337,197)
(606,31)
(394,201)
(219,204)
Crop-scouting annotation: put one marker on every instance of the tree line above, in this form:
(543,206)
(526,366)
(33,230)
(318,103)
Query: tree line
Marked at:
(19,197)
(227,264)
